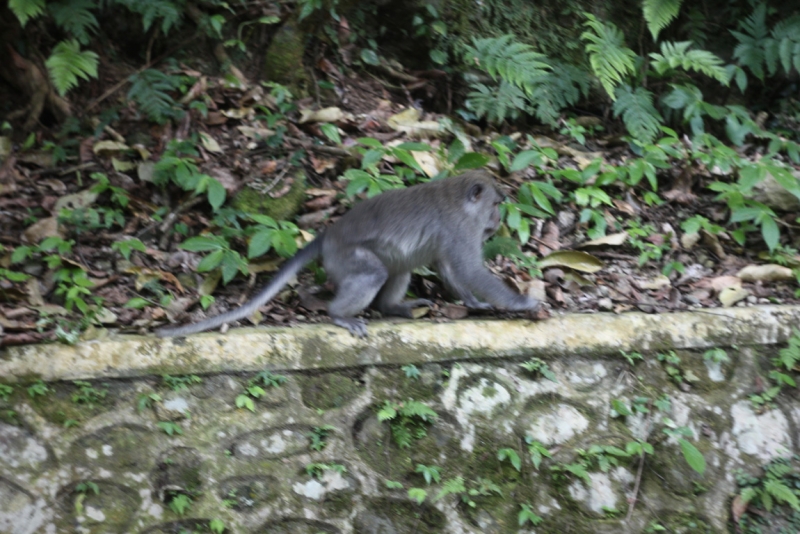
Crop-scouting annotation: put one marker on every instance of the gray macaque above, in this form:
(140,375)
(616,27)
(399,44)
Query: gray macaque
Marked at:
(370,252)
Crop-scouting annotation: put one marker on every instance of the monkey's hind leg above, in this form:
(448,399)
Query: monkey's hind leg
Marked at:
(390,298)
(358,277)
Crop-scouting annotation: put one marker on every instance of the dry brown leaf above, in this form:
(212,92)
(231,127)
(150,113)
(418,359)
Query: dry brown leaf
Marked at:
(551,238)
(41,229)
(656,283)
(769,272)
(738,508)
(322,164)
(330,114)
(624,207)
(319,203)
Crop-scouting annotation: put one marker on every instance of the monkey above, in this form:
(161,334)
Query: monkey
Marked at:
(370,251)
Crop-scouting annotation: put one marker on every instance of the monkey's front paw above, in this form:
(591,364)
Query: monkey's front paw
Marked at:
(354,325)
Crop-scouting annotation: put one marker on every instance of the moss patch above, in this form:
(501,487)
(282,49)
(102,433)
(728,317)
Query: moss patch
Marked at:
(284,60)
(282,208)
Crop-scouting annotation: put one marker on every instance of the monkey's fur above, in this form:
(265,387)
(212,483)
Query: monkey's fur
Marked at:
(370,252)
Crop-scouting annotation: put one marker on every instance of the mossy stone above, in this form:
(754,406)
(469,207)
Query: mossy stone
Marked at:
(282,208)
(284,60)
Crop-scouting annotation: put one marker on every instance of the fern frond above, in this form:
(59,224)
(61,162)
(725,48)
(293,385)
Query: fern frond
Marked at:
(508,59)
(67,63)
(26,9)
(786,34)
(556,90)
(75,17)
(675,55)
(610,59)
(641,118)
(151,10)
(750,52)
(497,103)
(659,13)
(150,90)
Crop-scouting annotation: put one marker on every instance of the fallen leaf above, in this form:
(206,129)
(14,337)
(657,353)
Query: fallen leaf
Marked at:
(5,146)
(41,229)
(255,133)
(108,148)
(75,201)
(574,259)
(766,273)
(145,171)
(209,143)
(428,162)
(689,240)
(121,165)
(613,240)
(731,295)
(331,114)
(656,283)
(722,282)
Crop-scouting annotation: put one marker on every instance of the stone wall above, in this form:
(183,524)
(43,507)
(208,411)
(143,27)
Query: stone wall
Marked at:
(439,440)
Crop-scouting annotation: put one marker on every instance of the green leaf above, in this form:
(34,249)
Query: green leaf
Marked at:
(260,243)
(26,9)
(609,58)
(67,63)
(331,132)
(417,494)
(524,159)
(369,57)
(770,232)
(659,13)
(137,303)
(216,194)
(620,407)
(512,457)
(211,261)
(693,456)
(471,160)
(782,492)
(638,113)
(201,244)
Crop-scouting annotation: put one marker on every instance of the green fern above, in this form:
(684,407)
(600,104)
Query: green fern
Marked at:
(496,103)
(26,9)
(641,118)
(75,17)
(786,43)
(659,13)
(675,55)
(553,91)
(150,90)
(610,59)
(750,52)
(508,59)
(151,10)
(67,63)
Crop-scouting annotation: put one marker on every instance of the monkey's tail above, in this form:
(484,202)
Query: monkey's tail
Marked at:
(290,268)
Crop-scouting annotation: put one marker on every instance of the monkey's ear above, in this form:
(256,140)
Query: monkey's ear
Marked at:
(475,193)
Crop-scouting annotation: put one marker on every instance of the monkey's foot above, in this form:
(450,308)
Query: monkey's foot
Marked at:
(354,325)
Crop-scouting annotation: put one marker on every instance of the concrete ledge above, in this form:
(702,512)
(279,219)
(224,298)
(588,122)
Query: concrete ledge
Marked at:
(329,347)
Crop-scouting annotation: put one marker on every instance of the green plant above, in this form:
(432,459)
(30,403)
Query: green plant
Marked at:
(177,166)
(759,47)
(369,177)
(83,489)
(316,470)
(255,389)
(431,474)
(716,355)
(217,526)
(87,394)
(537,451)
(609,58)
(778,485)
(38,389)
(690,453)
(170,428)
(180,383)
(408,420)
(527,515)
(525,81)
(632,357)
(150,90)
(512,457)
(537,366)
(6,391)
(178,502)
(67,63)
(411,371)
(319,436)
(146,400)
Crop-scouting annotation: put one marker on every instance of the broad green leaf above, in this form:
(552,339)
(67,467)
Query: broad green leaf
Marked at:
(693,456)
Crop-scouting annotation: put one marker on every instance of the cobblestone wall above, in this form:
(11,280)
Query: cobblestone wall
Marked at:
(503,445)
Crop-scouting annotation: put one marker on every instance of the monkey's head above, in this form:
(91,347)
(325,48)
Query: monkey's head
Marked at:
(483,202)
